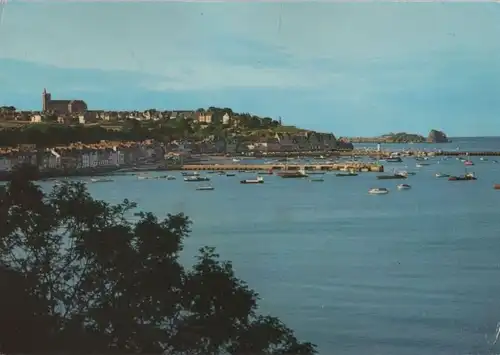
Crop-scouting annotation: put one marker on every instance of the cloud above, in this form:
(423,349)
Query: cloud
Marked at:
(192,46)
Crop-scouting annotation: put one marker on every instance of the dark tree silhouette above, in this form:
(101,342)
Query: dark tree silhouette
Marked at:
(79,277)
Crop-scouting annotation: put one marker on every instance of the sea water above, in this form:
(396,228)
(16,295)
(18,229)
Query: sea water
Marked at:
(412,272)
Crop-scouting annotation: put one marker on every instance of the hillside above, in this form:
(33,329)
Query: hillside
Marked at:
(16,127)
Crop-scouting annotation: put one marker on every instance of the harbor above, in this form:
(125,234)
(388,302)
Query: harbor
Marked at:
(364,167)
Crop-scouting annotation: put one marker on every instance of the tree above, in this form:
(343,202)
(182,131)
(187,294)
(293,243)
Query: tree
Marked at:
(94,282)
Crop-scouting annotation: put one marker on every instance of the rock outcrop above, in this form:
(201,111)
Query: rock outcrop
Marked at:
(436,136)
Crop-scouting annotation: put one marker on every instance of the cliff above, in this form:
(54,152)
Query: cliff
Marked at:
(436,136)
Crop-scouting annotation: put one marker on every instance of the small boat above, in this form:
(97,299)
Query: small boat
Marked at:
(101,180)
(468,162)
(205,188)
(258,180)
(292,174)
(236,160)
(420,165)
(346,174)
(496,186)
(190,173)
(442,175)
(316,180)
(378,191)
(196,178)
(404,187)
(269,172)
(394,176)
(171,177)
(407,173)
(230,174)
(466,177)
(394,160)
(483,159)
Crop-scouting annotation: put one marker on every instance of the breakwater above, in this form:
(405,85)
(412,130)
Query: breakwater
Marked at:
(264,167)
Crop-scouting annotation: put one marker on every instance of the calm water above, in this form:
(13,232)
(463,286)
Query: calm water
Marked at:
(411,272)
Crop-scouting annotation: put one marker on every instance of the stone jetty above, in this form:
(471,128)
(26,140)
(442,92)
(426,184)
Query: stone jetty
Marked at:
(265,167)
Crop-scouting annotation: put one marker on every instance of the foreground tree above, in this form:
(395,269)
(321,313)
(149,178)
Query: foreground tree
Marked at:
(87,280)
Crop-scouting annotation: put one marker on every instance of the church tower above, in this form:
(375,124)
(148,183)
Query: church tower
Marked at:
(46,98)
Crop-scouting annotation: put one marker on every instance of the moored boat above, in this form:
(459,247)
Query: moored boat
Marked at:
(346,174)
(496,186)
(292,174)
(230,174)
(196,178)
(378,191)
(258,180)
(394,160)
(468,162)
(190,173)
(442,175)
(393,176)
(404,187)
(101,180)
(205,188)
(317,180)
(466,177)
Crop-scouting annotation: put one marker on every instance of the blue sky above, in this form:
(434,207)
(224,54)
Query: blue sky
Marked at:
(347,68)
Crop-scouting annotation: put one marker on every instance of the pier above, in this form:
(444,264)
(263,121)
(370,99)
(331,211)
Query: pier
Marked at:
(265,167)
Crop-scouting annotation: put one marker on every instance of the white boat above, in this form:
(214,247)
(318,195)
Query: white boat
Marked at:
(258,180)
(404,187)
(378,191)
(101,180)
(205,188)
(236,160)
(196,178)
(442,175)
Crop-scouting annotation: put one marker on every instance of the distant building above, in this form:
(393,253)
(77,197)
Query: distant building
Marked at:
(62,106)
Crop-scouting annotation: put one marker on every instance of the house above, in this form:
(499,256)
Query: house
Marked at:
(36,119)
(226,119)
(287,142)
(204,117)
(265,145)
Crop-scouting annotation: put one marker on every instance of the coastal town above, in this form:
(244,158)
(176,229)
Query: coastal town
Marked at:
(47,139)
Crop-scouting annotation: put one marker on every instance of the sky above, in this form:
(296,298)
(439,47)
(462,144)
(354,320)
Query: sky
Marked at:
(354,69)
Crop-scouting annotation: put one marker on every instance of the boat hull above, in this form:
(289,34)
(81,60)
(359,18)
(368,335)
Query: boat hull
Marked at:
(391,177)
(344,175)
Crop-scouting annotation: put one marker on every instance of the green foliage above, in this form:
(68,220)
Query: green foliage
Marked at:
(49,135)
(79,277)
(403,137)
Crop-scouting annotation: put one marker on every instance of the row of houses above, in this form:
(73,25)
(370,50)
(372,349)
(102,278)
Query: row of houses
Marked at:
(148,115)
(280,142)
(81,157)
